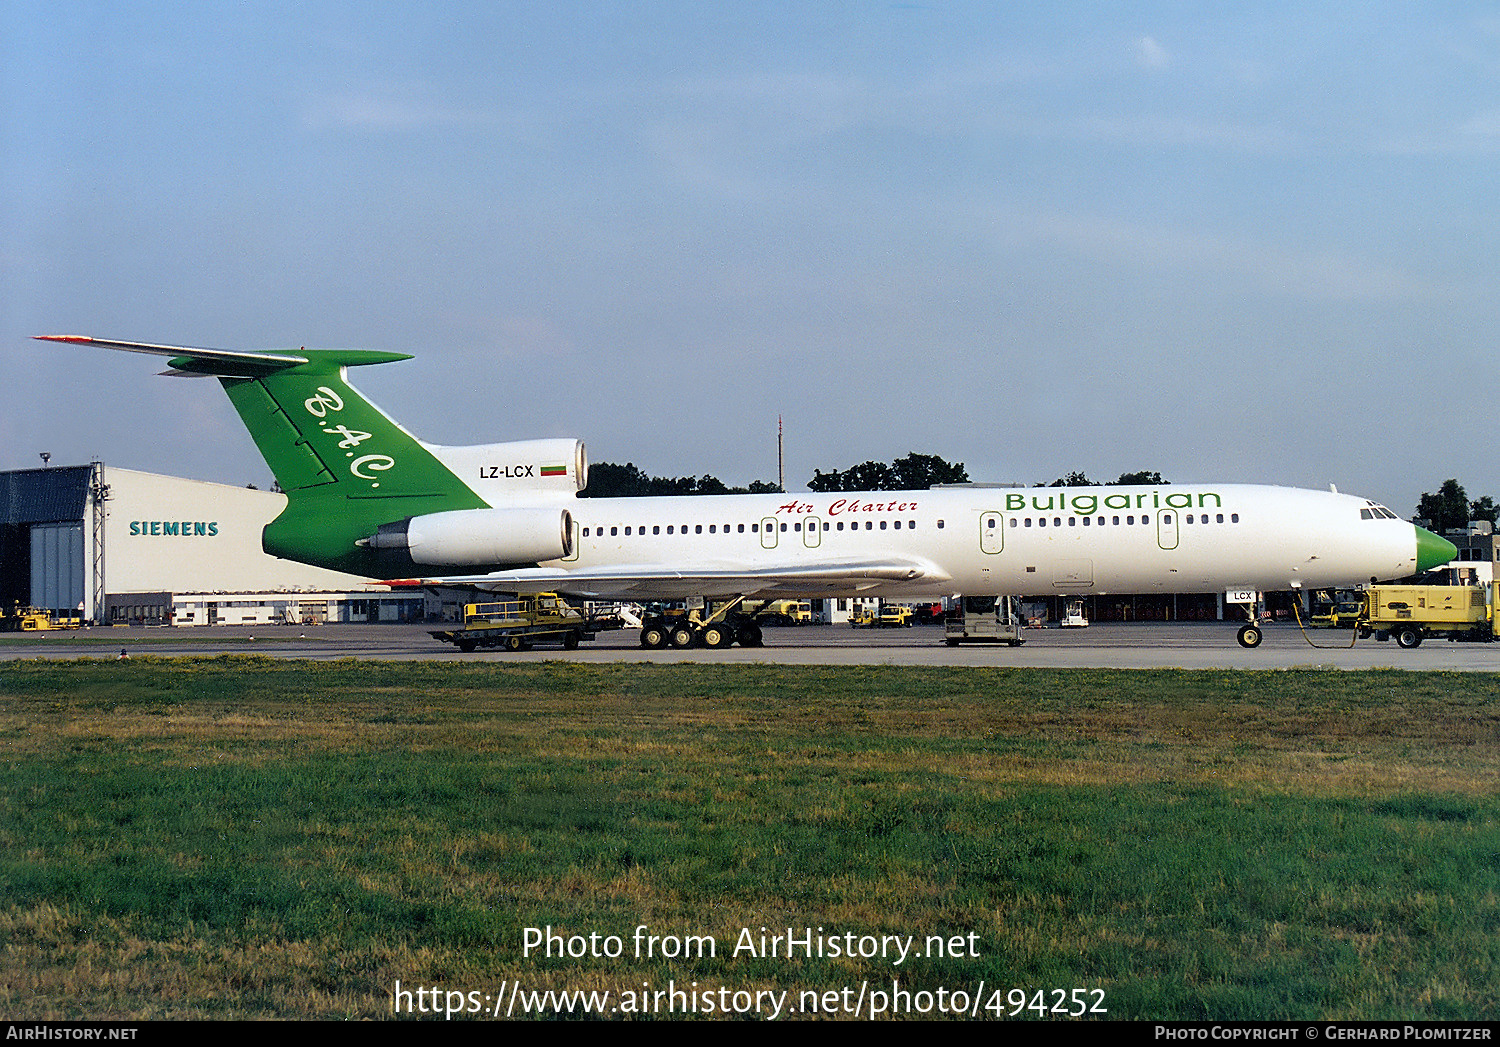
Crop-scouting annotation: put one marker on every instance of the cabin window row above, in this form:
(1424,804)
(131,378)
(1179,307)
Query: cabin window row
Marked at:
(754,528)
(1119,521)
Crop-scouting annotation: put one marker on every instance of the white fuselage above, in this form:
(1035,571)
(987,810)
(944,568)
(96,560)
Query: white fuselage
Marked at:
(1016,541)
(397,499)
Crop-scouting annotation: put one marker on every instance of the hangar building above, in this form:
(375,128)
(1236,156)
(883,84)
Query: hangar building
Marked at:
(116,545)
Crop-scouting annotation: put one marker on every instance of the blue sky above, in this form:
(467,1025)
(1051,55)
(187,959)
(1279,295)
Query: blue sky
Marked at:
(1254,244)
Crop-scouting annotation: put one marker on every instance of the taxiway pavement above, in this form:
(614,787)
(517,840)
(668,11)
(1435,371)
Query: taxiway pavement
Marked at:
(1125,646)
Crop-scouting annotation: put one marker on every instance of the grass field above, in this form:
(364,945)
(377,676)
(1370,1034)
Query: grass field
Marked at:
(250,837)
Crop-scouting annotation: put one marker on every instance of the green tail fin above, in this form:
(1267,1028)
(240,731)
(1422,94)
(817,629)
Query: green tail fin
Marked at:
(346,467)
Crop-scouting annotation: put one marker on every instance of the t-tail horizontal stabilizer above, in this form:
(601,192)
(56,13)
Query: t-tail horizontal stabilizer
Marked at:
(233,363)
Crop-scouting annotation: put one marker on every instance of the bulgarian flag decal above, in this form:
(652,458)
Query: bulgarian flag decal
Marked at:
(554,470)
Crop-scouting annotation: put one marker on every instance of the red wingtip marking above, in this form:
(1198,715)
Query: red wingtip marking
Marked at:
(62,338)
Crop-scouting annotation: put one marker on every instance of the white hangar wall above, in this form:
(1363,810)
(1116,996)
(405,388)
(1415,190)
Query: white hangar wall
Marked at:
(167,534)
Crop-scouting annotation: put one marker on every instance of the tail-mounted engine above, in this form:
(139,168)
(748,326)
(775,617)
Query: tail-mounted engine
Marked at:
(480,537)
(523,470)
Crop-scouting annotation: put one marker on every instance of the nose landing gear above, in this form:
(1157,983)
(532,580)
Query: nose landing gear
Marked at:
(1250,633)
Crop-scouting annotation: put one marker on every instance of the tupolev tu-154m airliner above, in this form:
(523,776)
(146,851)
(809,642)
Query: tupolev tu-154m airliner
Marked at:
(366,497)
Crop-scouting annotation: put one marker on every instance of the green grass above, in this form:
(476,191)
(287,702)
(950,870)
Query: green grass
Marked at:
(255,837)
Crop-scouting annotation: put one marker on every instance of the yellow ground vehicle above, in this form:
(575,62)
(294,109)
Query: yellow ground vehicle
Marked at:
(786,612)
(32,620)
(1336,609)
(887,616)
(518,624)
(1412,613)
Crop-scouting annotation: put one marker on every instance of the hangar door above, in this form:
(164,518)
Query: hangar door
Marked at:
(57,566)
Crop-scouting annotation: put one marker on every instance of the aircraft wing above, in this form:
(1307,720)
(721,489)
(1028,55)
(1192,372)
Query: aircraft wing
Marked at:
(658,582)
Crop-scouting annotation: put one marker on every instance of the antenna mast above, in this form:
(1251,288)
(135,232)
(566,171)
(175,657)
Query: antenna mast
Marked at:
(780,469)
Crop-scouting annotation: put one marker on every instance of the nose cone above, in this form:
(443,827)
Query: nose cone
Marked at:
(1432,550)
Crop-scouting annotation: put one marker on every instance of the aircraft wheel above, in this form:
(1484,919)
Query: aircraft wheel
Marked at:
(750,636)
(653,637)
(683,637)
(1408,636)
(1250,636)
(717,636)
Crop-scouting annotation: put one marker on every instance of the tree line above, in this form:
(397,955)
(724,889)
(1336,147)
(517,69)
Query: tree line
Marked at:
(1144,478)
(914,472)
(608,480)
(1451,510)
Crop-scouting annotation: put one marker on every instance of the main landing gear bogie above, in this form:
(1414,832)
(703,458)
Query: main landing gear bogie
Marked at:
(715,635)
(683,637)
